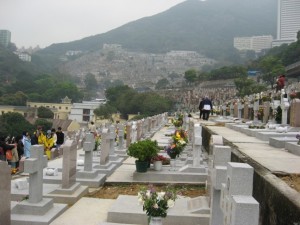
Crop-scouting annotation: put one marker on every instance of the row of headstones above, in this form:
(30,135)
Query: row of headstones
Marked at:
(243,111)
(144,128)
(231,186)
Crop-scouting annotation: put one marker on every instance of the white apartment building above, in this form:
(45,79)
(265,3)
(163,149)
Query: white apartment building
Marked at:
(23,56)
(84,112)
(288,21)
(5,37)
(254,43)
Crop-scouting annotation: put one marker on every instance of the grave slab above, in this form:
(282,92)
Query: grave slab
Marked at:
(279,142)
(265,136)
(127,210)
(293,148)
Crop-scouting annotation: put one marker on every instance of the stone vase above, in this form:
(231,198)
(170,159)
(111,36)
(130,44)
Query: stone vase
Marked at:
(157,165)
(155,221)
(173,164)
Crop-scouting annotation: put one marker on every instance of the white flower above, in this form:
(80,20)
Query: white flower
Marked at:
(161,195)
(148,194)
(182,142)
(155,206)
(171,203)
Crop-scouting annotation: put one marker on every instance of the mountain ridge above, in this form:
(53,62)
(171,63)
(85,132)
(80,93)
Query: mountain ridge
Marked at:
(207,27)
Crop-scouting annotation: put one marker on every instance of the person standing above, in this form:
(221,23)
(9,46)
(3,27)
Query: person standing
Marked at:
(27,145)
(207,107)
(60,138)
(201,107)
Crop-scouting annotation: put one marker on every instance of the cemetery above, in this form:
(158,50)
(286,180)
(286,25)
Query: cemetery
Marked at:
(237,158)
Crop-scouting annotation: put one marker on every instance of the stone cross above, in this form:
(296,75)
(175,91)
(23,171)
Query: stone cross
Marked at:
(284,106)
(34,166)
(111,137)
(128,134)
(256,108)
(197,144)
(5,185)
(224,110)
(134,132)
(88,147)
(237,204)
(139,130)
(105,143)
(240,107)
(121,136)
(221,156)
(69,164)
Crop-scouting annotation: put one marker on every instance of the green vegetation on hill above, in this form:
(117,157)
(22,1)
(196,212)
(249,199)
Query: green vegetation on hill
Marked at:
(125,100)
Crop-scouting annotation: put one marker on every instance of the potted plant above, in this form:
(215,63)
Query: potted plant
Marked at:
(156,203)
(143,151)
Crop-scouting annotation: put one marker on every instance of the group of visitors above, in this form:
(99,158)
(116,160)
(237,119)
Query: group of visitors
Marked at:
(13,149)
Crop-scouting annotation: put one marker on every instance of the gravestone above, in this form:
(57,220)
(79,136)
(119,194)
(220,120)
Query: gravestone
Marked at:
(224,109)
(139,130)
(246,111)
(294,113)
(88,176)
(267,107)
(70,191)
(69,164)
(237,204)
(221,156)
(88,147)
(104,155)
(235,110)
(112,137)
(128,134)
(240,107)
(5,183)
(121,136)
(36,210)
(256,108)
(197,141)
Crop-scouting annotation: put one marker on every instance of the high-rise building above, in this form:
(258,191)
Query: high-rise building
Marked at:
(5,37)
(254,43)
(288,21)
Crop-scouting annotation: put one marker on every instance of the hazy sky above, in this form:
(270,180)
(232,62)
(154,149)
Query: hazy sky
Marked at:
(44,22)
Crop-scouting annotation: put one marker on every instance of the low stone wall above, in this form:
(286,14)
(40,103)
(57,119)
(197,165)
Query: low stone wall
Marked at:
(279,204)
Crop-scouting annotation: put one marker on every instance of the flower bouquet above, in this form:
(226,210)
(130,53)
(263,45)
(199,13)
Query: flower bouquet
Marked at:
(156,203)
(179,121)
(180,140)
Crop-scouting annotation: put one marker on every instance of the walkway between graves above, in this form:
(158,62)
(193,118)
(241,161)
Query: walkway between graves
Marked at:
(274,159)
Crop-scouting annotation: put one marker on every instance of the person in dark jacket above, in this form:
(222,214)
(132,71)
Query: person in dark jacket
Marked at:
(60,137)
(207,107)
(4,147)
(201,108)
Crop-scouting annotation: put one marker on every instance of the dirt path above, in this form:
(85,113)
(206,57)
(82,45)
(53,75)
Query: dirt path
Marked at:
(109,191)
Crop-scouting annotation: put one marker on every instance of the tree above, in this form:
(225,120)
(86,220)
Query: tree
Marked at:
(105,111)
(90,82)
(14,124)
(191,75)
(248,86)
(271,67)
(43,112)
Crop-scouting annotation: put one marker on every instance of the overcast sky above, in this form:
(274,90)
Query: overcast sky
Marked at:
(44,22)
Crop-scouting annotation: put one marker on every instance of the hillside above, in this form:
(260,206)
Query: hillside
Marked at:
(206,27)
